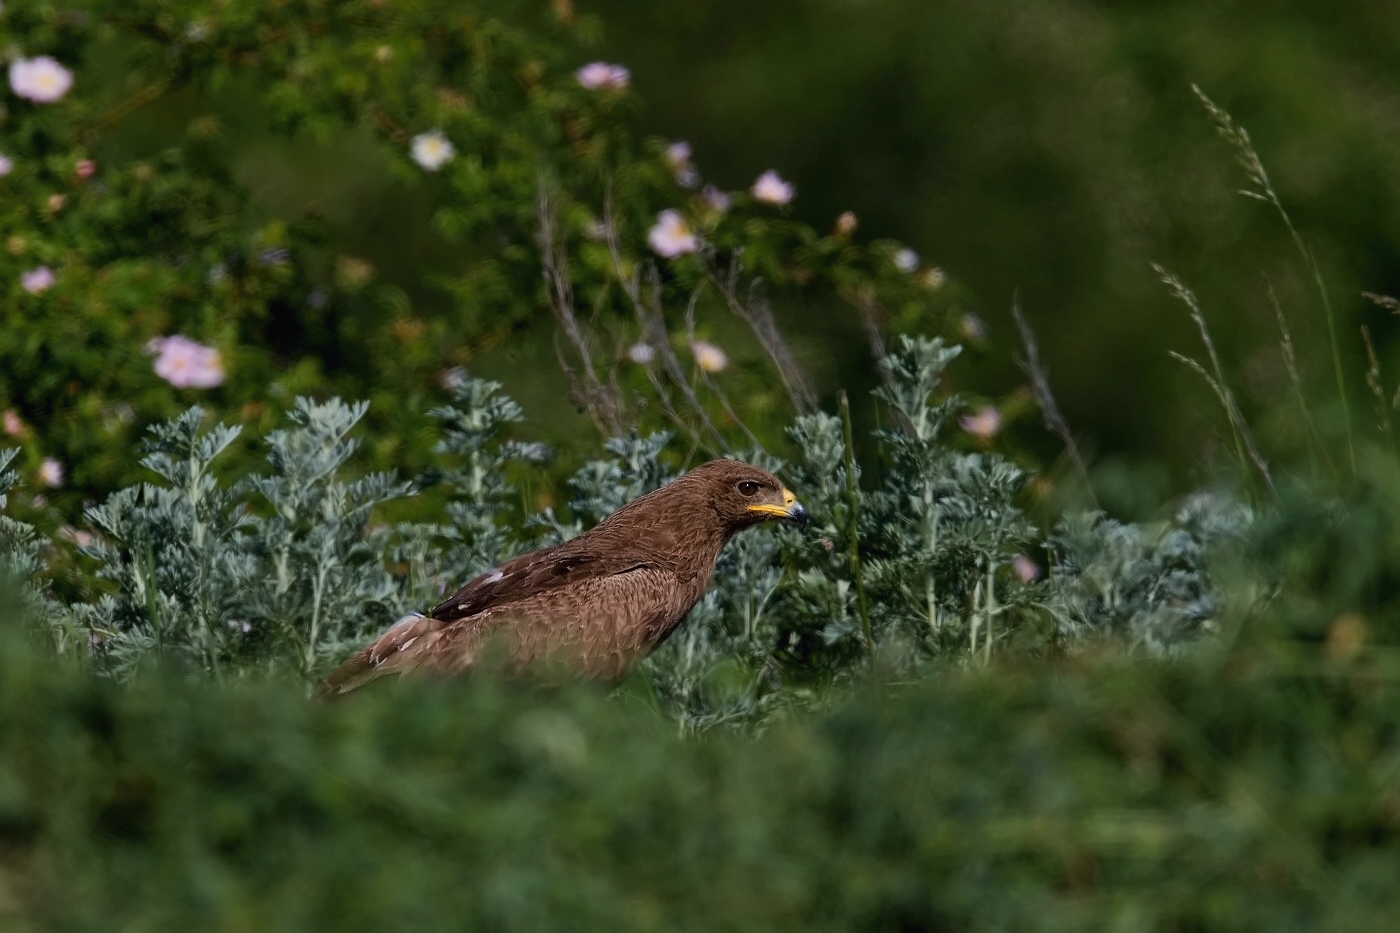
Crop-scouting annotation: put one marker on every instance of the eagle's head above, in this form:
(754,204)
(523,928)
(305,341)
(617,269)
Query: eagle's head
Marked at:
(744,495)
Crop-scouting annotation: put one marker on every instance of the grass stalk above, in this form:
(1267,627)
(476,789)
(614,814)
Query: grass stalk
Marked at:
(1313,439)
(1373,382)
(1244,440)
(1263,190)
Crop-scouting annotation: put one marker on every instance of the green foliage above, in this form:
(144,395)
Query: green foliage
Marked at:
(1255,794)
(290,567)
(275,569)
(134,189)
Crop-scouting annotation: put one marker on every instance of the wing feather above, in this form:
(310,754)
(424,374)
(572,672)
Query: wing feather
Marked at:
(537,572)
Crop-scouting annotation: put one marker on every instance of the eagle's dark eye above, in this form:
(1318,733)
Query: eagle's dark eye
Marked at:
(747,488)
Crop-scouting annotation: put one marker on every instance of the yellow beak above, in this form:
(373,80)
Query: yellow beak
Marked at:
(790,510)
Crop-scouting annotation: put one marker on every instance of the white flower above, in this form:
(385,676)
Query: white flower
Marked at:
(771,189)
(432,150)
(601,76)
(7,165)
(641,353)
(452,378)
(709,357)
(984,424)
(186,364)
(1025,569)
(51,473)
(41,79)
(973,327)
(37,281)
(672,236)
(932,278)
(14,425)
(846,224)
(906,260)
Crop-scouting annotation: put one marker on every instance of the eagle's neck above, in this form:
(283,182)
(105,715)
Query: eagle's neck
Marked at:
(703,556)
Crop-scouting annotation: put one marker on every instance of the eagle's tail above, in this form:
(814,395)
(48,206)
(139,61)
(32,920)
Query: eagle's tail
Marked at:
(356,672)
(389,653)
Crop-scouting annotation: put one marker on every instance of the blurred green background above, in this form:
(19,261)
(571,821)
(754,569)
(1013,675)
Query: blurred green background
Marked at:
(1055,148)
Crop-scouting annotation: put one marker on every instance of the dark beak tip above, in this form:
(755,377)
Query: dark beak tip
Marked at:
(798,515)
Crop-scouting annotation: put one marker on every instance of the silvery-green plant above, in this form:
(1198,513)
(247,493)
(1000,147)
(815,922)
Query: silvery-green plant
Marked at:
(21,561)
(291,567)
(1147,585)
(327,585)
(274,571)
(477,457)
(176,555)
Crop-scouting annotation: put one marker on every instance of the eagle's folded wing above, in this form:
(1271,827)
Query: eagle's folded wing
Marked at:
(599,623)
(532,574)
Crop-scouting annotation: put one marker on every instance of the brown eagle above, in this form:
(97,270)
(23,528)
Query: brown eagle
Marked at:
(600,602)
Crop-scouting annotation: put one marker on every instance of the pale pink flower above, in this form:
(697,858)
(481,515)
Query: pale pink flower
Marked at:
(771,189)
(602,76)
(678,155)
(14,425)
(715,199)
(78,536)
(433,150)
(641,353)
(678,158)
(51,473)
(985,423)
(40,79)
(56,202)
(186,364)
(972,327)
(906,260)
(85,168)
(932,278)
(1026,570)
(709,357)
(7,165)
(846,224)
(672,236)
(37,281)
(453,377)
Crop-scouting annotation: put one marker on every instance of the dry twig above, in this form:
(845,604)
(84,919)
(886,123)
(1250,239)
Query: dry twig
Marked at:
(1055,421)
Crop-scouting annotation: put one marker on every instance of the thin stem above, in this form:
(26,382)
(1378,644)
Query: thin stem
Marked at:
(757,313)
(991,608)
(1040,386)
(853,497)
